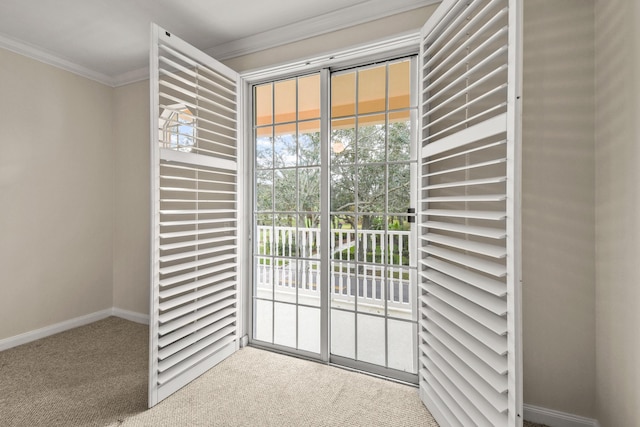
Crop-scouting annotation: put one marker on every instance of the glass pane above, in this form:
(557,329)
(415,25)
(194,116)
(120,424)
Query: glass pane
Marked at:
(285,190)
(343,138)
(309,143)
(309,97)
(343,94)
(284,240)
(343,334)
(399,138)
(285,101)
(309,236)
(264,277)
(264,235)
(264,104)
(371,340)
(401,349)
(399,85)
(371,139)
(263,328)
(309,329)
(264,190)
(371,188)
(343,186)
(343,237)
(309,282)
(343,285)
(398,241)
(284,147)
(399,293)
(372,90)
(309,190)
(264,148)
(284,324)
(399,188)
(284,271)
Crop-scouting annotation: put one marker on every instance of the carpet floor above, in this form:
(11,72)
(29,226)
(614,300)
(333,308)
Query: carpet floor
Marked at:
(96,375)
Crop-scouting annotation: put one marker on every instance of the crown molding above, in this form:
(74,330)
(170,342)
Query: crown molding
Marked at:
(41,55)
(366,11)
(333,21)
(130,77)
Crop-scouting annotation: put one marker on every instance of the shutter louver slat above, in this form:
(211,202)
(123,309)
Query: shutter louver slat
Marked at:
(491,233)
(447,382)
(185,331)
(471,182)
(171,373)
(199,252)
(190,286)
(471,198)
(195,274)
(171,326)
(195,264)
(172,349)
(496,305)
(465,152)
(473,343)
(484,317)
(467,167)
(444,403)
(468,245)
(497,381)
(193,296)
(490,215)
(472,396)
(489,267)
(480,281)
(195,305)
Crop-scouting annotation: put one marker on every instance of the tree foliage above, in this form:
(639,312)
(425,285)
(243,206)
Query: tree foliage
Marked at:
(363,184)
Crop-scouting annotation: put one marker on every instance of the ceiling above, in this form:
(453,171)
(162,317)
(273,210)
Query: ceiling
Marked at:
(108,40)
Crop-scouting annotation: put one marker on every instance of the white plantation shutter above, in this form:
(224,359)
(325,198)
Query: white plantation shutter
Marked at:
(469,326)
(195,214)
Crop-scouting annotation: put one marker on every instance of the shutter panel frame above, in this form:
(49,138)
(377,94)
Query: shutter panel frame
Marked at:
(470,257)
(197,222)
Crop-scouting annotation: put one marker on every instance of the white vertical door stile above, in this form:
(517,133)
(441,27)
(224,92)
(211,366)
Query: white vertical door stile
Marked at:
(195,214)
(470,356)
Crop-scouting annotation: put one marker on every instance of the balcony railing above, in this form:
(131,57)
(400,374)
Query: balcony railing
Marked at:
(367,266)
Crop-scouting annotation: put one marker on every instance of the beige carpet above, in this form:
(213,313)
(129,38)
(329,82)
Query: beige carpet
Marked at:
(88,376)
(96,375)
(259,388)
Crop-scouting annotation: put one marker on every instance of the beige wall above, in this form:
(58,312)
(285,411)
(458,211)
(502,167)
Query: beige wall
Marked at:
(558,206)
(617,24)
(56,194)
(131,189)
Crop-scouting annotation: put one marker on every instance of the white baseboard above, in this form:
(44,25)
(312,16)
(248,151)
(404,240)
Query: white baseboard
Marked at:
(554,418)
(56,328)
(130,315)
(37,334)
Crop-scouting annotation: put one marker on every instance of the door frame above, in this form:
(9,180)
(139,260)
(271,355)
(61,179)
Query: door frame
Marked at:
(362,55)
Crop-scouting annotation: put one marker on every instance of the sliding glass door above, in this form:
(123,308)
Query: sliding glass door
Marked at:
(349,237)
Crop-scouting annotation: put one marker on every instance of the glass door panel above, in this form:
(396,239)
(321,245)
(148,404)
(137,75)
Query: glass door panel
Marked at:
(287,237)
(373,306)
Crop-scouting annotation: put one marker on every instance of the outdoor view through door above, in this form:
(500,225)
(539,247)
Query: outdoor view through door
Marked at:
(370,247)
